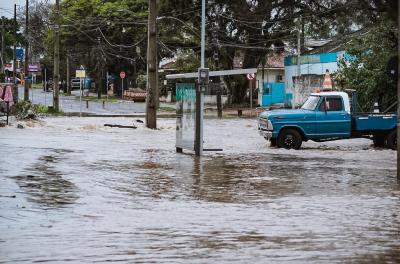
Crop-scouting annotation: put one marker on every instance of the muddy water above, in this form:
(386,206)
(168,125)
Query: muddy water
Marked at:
(72,190)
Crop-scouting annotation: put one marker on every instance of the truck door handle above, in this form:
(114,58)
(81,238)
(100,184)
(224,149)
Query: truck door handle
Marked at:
(343,114)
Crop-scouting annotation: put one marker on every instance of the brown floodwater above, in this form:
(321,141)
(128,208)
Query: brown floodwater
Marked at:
(73,190)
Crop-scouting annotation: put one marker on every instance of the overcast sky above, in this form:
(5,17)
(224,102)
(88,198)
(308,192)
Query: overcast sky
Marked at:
(7,7)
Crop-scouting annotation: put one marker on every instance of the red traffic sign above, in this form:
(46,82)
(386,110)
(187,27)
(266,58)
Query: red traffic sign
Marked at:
(251,76)
(122,75)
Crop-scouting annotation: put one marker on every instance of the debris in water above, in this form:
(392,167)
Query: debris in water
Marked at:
(120,126)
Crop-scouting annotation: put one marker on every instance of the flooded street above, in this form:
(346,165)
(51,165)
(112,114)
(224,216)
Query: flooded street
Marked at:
(74,190)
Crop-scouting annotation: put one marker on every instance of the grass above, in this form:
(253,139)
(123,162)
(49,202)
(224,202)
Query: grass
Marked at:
(167,109)
(37,86)
(95,99)
(42,109)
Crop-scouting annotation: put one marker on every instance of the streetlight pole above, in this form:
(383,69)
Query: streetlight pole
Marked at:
(14,54)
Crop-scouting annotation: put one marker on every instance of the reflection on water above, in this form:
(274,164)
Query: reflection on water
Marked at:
(45,184)
(140,202)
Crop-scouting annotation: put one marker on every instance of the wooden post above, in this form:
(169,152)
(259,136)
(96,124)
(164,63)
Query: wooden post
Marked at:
(56,78)
(151,100)
(68,74)
(398,99)
(219,101)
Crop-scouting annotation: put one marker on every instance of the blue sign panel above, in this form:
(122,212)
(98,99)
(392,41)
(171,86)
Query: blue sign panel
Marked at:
(311,58)
(19,53)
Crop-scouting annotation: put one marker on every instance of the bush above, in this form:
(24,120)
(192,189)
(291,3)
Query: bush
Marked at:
(27,110)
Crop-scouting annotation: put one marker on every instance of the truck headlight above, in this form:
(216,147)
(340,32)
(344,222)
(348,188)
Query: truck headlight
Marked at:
(269,125)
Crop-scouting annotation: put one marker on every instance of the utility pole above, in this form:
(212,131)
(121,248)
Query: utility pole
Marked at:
(151,100)
(99,72)
(56,78)
(26,82)
(68,74)
(14,55)
(398,99)
(298,63)
(2,44)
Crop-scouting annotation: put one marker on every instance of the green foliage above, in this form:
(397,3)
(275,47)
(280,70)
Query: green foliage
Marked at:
(187,62)
(366,72)
(26,110)
(96,99)
(167,109)
(142,81)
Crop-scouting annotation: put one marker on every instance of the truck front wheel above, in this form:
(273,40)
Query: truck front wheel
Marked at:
(289,138)
(273,142)
(391,140)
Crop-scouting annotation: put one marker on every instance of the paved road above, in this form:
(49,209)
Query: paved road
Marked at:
(71,104)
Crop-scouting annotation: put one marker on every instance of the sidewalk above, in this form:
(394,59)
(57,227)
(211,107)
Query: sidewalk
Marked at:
(71,104)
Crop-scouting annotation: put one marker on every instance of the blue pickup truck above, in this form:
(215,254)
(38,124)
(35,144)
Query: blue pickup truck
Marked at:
(327,116)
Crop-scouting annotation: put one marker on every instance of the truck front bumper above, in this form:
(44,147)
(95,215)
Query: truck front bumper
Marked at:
(266,134)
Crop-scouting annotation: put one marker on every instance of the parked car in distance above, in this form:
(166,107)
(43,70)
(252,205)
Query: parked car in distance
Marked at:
(75,83)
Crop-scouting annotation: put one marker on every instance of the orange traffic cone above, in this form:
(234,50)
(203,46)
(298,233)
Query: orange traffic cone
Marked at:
(327,85)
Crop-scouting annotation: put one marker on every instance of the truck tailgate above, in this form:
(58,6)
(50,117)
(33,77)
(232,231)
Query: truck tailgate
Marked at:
(372,122)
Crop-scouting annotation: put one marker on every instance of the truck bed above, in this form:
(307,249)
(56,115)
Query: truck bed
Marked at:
(373,121)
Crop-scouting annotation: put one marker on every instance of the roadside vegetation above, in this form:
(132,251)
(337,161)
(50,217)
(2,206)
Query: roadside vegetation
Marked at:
(26,110)
(96,99)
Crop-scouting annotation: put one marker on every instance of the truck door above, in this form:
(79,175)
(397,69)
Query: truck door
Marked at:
(331,118)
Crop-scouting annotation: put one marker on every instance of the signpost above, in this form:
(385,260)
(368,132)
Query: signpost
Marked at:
(122,76)
(251,77)
(81,73)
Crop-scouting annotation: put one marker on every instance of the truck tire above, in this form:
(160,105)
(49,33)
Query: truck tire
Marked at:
(289,139)
(379,141)
(391,140)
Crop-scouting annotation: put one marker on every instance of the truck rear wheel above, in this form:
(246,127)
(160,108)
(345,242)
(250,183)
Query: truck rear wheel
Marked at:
(391,140)
(289,138)
(379,141)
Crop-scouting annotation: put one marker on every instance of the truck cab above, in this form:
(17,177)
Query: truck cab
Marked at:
(324,116)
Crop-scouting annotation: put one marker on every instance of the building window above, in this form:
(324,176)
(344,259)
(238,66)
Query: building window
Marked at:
(279,78)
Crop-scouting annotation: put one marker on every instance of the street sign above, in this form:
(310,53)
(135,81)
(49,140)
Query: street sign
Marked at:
(80,73)
(33,67)
(122,75)
(19,53)
(251,76)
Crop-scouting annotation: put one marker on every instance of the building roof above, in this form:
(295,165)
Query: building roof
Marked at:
(338,43)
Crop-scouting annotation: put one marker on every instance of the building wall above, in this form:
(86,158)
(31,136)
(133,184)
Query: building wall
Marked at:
(270,75)
(316,64)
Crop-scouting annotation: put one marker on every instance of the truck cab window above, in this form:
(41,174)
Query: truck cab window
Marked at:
(311,103)
(331,104)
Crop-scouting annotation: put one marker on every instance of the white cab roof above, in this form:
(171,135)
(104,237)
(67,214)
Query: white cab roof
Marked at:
(344,95)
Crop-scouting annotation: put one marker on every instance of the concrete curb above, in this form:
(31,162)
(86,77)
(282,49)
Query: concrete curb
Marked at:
(143,115)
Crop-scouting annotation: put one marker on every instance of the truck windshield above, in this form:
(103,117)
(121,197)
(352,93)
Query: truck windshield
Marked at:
(311,103)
